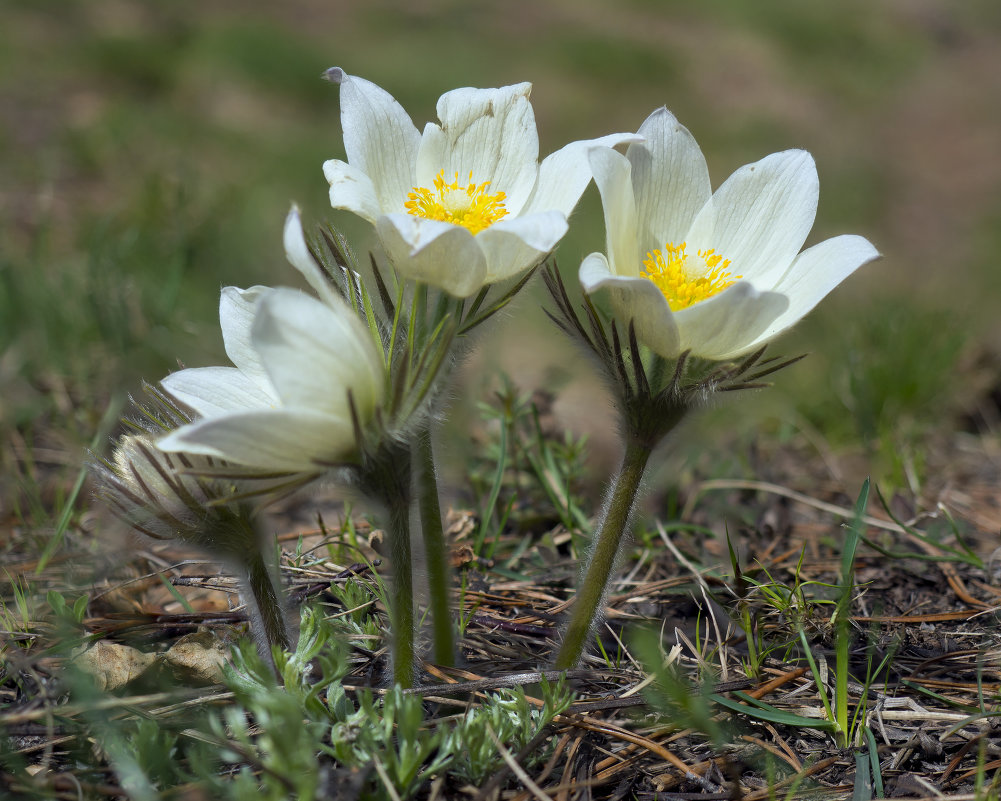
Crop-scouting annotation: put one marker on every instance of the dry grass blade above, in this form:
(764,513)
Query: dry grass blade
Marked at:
(518,771)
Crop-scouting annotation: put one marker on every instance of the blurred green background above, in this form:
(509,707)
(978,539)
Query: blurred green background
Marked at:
(150,151)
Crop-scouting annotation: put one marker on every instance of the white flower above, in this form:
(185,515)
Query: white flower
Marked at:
(465,203)
(285,405)
(717,274)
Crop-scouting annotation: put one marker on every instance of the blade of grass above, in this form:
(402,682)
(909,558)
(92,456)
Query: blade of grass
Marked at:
(843,609)
(761,711)
(807,651)
(862,790)
(111,414)
(176,593)
(495,488)
(877,776)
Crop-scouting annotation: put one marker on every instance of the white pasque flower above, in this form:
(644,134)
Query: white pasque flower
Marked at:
(466,203)
(285,405)
(717,274)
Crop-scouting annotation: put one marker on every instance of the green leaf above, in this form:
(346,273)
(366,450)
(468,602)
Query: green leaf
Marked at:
(762,711)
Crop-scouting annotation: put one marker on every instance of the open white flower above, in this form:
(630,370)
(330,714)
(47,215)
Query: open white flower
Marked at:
(301,363)
(465,203)
(717,274)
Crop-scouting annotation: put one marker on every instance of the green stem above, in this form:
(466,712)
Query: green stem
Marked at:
(752,646)
(841,682)
(436,552)
(609,537)
(390,481)
(264,607)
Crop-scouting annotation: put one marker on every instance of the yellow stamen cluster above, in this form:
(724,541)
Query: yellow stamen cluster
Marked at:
(682,284)
(467,205)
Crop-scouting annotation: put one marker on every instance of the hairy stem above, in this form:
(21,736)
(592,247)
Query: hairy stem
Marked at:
(265,610)
(402,596)
(390,482)
(613,527)
(436,552)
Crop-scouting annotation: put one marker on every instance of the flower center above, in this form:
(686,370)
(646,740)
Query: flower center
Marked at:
(467,205)
(685,284)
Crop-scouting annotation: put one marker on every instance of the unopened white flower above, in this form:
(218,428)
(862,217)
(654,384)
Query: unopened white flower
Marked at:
(465,203)
(717,274)
(153,490)
(301,365)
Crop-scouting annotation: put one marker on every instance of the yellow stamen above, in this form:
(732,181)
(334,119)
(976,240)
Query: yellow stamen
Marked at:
(684,284)
(469,205)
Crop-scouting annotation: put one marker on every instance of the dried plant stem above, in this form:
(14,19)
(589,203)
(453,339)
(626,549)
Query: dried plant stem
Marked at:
(609,537)
(436,553)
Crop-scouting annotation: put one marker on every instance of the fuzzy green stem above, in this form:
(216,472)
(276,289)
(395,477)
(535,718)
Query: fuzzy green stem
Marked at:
(390,482)
(264,607)
(402,595)
(609,538)
(436,552)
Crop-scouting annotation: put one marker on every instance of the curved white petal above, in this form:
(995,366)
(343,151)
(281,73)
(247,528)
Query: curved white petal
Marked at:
(419,232)
(380,139)
(634,299)
(352,189)
(511,246)
(437,253)
(539,231)
(670,179)
(237,308)
(298,255)
(565,174)
(491,133)
(211,391)
(814,273)
(316,354)
(612,175)
(728,324)
(271,439)
(431,157)
(760,217)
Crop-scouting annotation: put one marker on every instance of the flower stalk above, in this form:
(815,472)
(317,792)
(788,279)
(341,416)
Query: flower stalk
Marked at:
(435,551)
(610,533)
(265,610)
(386,481)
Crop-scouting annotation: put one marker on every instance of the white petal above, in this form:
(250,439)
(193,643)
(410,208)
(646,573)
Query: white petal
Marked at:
(540,231)
(814,273)
(513,245)
(728,324)
(670,179)
(271,439)
(491,133)
(633,299)
(565,174)
(431,156)
(612,175)
(211,391)
(432,252)
(352,189)
(297,252)
(760,217)
(237,308)
(315,354)
(380,139)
